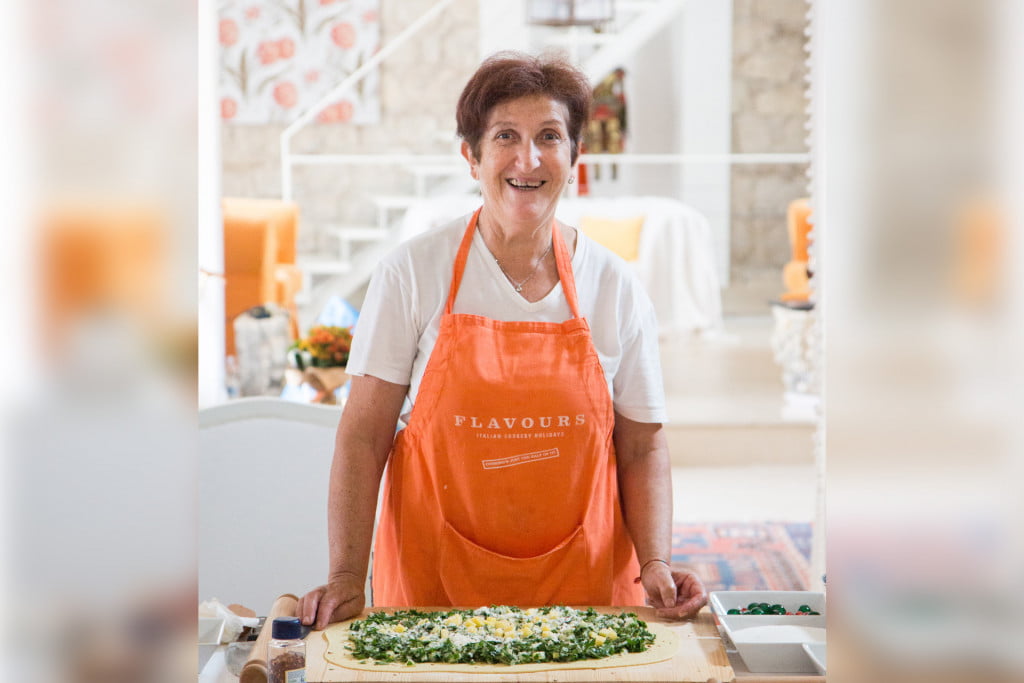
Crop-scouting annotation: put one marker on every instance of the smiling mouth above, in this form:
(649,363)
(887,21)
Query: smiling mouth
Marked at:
(523,185)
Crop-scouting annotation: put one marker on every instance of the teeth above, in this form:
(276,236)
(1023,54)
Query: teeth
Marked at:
(515,183)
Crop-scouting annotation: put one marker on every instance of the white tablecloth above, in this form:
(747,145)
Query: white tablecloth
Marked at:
(676,261)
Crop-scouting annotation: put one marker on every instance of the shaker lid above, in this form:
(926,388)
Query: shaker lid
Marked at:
(286,628)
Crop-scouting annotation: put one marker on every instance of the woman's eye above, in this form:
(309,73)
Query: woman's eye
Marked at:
(551,137)
(503,136)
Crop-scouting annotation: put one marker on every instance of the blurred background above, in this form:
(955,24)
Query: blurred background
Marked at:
(120,148)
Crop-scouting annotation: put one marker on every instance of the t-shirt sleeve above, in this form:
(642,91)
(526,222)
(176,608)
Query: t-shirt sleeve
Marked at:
(384,338)
(638,392)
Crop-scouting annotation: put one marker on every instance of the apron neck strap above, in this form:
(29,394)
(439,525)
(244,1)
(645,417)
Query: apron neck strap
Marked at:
(562,262)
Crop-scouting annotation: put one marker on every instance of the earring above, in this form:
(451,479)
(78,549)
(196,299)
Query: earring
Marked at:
(572,179)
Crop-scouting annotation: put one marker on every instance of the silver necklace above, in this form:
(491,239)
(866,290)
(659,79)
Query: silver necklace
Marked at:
(519,285)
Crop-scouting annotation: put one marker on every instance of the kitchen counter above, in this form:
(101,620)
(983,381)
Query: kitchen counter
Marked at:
(701,653)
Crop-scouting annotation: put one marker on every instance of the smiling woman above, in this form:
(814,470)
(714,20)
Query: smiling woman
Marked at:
(510,321)
(521,121)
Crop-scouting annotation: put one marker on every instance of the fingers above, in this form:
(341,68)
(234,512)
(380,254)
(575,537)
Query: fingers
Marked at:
(333,608)
(328,603)
(667,592)
(307,605)
(690,598)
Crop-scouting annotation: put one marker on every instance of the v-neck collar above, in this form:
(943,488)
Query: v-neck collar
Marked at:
(508,290)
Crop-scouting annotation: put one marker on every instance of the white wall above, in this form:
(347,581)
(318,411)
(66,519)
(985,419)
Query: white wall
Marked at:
(705,39)
(653,98)
(503,27)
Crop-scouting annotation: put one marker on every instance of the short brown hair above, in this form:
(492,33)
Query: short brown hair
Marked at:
(511,75)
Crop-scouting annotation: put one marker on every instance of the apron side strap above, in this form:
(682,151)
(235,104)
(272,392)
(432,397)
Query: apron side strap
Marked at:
(564,264)
(460,262)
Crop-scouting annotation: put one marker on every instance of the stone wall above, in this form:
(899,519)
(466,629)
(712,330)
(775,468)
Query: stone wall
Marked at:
(768,116)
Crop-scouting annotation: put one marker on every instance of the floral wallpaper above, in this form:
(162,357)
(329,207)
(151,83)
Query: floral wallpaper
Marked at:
(279,57)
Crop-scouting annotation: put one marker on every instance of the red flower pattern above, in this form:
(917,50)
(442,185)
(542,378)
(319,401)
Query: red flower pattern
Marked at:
(343,35)
(268,52)
(339,112)
(228,108)
(228,32)
(286,94)
(286,48)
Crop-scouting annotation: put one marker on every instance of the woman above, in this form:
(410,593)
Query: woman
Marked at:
(533,467)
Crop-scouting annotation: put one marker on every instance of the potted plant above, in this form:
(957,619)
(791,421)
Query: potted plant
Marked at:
(321,357)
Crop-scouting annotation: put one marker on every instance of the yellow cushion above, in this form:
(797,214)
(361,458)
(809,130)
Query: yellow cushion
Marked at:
(620,236)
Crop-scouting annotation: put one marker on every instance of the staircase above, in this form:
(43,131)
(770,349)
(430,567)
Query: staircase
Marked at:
(345,269)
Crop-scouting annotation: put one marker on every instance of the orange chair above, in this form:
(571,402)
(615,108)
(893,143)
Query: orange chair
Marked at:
(796,273)
(259,259)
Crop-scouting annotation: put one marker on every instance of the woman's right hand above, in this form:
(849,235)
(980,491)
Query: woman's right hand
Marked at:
(340,598)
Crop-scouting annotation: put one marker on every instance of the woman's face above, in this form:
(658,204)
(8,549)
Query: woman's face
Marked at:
(524,160)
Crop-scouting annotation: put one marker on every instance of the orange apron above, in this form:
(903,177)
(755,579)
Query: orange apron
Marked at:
(503,489)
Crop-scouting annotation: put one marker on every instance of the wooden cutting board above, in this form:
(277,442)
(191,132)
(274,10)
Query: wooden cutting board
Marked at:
(701,657)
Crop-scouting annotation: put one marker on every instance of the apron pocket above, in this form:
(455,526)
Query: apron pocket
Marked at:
(473,576)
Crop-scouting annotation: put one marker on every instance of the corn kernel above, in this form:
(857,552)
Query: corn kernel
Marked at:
(399,628)
(527,632)
(599,640)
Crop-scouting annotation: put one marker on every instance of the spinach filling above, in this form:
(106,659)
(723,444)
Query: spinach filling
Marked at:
(496,635)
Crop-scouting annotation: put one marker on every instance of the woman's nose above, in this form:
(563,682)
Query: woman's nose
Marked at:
(528,155)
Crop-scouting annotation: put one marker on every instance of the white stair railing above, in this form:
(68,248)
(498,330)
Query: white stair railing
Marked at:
(369,65)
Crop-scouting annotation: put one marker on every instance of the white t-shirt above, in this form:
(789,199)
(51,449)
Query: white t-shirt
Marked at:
(401,315)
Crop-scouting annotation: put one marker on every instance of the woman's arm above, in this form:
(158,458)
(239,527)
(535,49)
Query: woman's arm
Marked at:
(645,488)
(365,436)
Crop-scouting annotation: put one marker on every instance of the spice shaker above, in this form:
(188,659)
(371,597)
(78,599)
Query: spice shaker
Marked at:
(286,651)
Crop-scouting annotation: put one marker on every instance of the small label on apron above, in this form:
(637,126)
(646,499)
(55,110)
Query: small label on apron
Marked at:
(513,460)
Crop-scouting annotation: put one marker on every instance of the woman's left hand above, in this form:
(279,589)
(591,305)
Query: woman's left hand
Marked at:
(676,594)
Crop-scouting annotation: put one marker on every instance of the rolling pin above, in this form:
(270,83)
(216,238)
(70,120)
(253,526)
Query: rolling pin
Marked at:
(255,669)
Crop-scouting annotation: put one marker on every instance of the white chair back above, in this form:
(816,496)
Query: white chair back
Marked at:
(264,465)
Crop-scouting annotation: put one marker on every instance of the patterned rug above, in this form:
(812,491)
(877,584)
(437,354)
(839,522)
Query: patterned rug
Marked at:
(745,555)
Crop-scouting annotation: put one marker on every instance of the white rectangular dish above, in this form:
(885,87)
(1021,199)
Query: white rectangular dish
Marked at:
(816,651)
(772,643)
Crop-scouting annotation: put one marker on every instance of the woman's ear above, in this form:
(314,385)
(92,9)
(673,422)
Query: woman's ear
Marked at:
(467,154)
